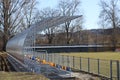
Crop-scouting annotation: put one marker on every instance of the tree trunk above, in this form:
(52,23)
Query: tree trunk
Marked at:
(67,35)
(114,42)
(114,34)
(67,24)
(6,22)
(4,43)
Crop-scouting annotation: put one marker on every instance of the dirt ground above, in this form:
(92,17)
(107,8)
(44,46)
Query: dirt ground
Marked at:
(21,76)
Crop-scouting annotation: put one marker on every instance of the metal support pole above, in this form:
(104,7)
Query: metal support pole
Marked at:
(67,61)
(54,57)
(34,36)
(88,64)
(80,63)
(110,69)
(58,57)
(73,61)
(63,59)
(51,57)
(118,71)
(58,61)
(48,57)
(98,61)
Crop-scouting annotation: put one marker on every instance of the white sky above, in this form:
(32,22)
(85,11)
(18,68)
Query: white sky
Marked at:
(90,10)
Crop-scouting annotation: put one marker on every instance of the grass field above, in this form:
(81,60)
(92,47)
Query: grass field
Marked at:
(98,63)
(101,63)
(97,55)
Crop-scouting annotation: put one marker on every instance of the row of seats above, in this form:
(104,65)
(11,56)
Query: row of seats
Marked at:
(50,63)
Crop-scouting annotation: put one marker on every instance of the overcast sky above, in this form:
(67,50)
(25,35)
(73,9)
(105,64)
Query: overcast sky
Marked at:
(90,9)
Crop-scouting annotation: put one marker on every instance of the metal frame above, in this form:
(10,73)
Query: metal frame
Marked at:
(20,44)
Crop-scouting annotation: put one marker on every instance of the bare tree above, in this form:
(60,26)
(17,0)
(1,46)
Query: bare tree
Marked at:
(68,8)
(29,11)
(49,34)
(103,24)
(47,13)
(11,16)
(78,28)
(109,10)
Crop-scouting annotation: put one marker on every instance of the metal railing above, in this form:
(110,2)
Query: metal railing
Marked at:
(109,69)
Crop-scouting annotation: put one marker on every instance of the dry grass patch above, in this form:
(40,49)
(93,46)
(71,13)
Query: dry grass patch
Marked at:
(21,76)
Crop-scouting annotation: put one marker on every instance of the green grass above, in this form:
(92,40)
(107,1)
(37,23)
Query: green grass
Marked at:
(104,62)
(97,55)
(83,60)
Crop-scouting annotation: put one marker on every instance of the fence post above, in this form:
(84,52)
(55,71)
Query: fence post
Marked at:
(42,55)
(51,57)
(67,61)
(73,62)
(98,66)
(47,57)
(58,58)
(54,57)
(80,64)
(110,69)
(118,71)
(88,64)
(63,59)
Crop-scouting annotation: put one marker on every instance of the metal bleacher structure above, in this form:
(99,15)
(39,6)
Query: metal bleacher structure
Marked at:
(21,48)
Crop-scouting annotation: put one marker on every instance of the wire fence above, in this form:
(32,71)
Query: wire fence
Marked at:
(106,68)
